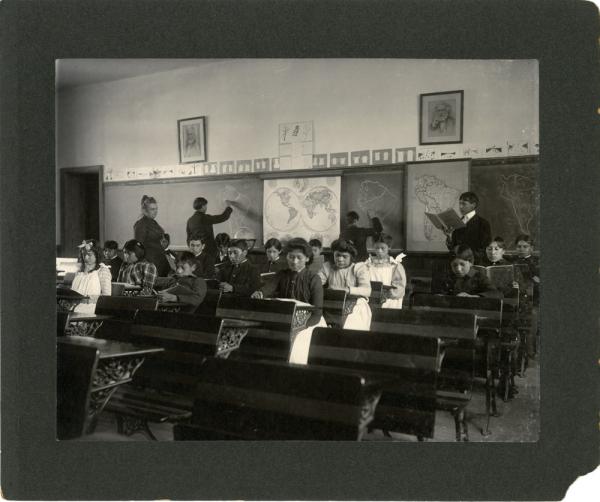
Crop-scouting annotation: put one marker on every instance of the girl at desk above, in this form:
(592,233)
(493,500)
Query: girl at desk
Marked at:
(136,269)
(93,279)
(299,283)
(184,287)
(465,280)
(389,271)
(351,277)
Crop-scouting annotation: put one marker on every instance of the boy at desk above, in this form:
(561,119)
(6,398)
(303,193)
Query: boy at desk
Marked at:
(238,276)
(185,286)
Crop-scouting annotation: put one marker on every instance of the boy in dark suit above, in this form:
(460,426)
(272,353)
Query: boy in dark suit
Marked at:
(112,258)
(476,234)
(205,262)
(238,276)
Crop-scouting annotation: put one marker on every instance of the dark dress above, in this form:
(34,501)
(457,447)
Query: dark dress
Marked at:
(476,234)
(359,235)
(474,283)
(274,266)
(115,265)
(304,286)
(202,224)
(148,232)
(244,277)
(485,262)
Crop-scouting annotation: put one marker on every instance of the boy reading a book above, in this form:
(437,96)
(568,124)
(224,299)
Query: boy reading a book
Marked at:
(185,286)
(465,280)
(494,253)
(238,276)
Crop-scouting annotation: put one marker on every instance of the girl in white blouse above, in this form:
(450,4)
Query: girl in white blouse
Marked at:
(94,278)
(383,268)
(351,277)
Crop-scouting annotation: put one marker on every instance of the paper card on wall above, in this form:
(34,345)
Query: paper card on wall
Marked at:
(426,154)
(448,153)
(338,159)
(382,156)
(142,173)
(295,132)
(360,158)
(472,151)
(199,169)
(185,169)
(211,168)
(307,161)
(227,167)
(494,149)
(261,164)
(320,160)
(275,164)
(517,147)
(119,174)
(285,163)
(534,147)
(243,166)
(131,173)
(406,154)
(108,174)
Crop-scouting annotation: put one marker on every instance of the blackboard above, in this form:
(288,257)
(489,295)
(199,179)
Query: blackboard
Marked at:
(175,199)
(509,198)
(380,192)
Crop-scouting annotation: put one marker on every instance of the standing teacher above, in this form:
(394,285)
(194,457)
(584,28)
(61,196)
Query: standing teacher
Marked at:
(201,224)
(149,233)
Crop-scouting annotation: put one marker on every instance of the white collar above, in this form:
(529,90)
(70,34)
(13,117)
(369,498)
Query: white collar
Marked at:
(468,216)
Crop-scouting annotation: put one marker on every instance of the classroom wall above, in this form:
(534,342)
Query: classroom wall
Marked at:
(355,105)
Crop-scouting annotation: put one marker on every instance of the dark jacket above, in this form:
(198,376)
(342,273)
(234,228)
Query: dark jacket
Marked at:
(196,284)
(304,286)
(205,265)
(115,265)
(273,266)
(476,234)
(485,262)
(474,283)
(359,235)
(149,232)
(202,224)
(244,278)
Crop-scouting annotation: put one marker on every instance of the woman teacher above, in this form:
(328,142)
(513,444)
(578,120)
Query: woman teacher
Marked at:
(149,233)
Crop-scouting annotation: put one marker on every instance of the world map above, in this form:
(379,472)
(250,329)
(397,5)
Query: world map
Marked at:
(302,207)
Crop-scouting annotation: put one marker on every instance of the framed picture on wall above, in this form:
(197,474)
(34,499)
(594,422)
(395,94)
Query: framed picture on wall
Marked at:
(441,118)
(192,140)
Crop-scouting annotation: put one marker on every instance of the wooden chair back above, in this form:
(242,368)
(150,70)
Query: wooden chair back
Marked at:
(277,401)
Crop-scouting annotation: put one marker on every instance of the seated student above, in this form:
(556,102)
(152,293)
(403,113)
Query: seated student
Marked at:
(238,275)
(112,258)
(275,261)
(299,283)
(350,277)
(494,253)
(390,271)
(205,262)
(317,259)
(358,235)
(464,280)
(222,243)
(136,270)
(93,279)
(185,286)
(165,242)
(524,245)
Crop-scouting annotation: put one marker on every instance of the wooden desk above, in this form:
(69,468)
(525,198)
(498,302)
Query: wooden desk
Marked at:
(89,371)
(172,306)
(80,324)
(67,299)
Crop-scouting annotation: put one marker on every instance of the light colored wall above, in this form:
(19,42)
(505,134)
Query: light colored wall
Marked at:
(355,104)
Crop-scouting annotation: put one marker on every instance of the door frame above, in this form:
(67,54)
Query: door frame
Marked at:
(98,169)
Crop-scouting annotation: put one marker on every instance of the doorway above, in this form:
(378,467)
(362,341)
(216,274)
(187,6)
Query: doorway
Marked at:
(82,207)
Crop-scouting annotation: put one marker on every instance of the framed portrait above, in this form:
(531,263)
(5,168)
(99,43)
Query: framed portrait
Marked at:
(192,140)
(441,118)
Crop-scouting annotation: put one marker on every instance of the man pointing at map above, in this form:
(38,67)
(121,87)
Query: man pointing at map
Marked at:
(201,224)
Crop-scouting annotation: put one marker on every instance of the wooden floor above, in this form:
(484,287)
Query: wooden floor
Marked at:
(519,420)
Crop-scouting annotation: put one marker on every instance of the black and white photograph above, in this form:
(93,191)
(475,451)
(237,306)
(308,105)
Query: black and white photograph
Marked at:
(374,302)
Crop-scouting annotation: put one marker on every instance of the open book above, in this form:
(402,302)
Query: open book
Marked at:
(446,219)
(266,275)
(179,290)
(502,277)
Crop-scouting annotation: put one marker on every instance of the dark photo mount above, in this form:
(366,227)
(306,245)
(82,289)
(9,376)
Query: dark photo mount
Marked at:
(561,35)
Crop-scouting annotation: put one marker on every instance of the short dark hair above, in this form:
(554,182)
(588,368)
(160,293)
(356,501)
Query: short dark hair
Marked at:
(111,245)
(137,247)
(187,257)
(524,237)
(196,236)
(462,252)
(298,243)
(470,197)
(222,239)
(273,243)
(498,240)
(239,243)
(344,246)
(199,203)
(353,215)
(315,243)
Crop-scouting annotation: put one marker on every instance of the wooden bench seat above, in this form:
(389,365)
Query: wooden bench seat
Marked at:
(408,365)
(249,400)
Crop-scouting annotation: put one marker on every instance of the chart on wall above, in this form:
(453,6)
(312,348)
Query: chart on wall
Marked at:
(376,194)
(302,207)
(432,187)
(509,198)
